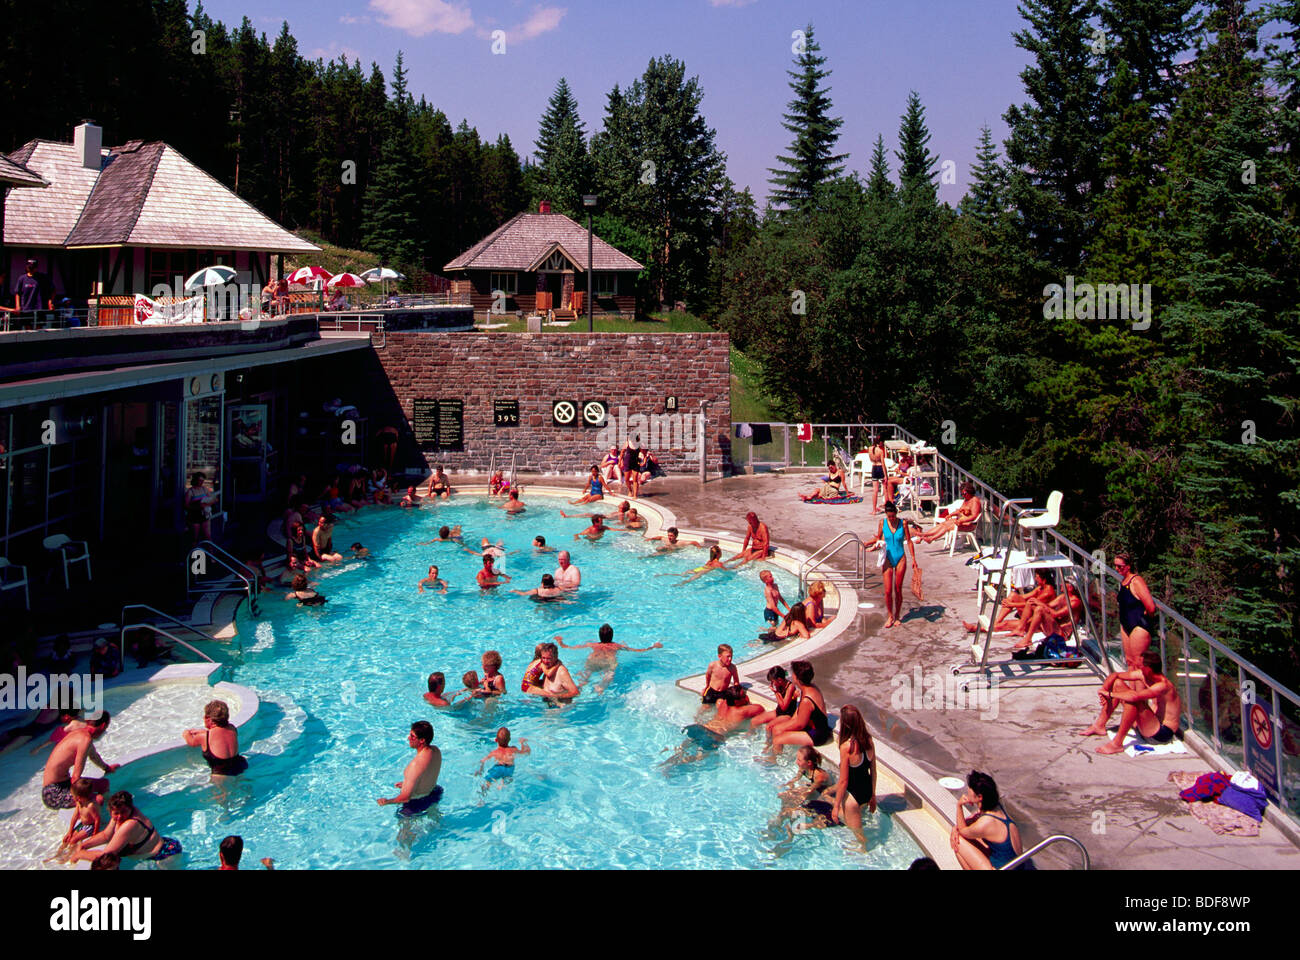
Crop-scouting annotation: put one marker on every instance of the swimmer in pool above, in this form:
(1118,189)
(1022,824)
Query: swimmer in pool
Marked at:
(539,545)
(358,551)
(513,504)
(419,788)
(669,541)
(604,655)
(715,562)
(445,535)
(548,590)
(437,684)
(548,677)
(595,531)
(434,581)
(703,739)
(488,577)
(633,520)
(503,758)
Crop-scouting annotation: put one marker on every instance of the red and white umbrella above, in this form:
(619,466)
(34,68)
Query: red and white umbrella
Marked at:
(345,280)
(308,274)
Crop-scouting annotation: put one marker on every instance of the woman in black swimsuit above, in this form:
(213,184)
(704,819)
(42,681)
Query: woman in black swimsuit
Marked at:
(787,698)
(857,786)
(219,740)
(1136,610)
(809,727)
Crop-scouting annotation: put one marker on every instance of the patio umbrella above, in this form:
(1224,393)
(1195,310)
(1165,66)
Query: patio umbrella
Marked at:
(345,280)
(210,277)
(308,274)
(382,275)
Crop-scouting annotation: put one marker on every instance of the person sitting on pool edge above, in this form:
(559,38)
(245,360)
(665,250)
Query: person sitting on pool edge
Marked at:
(758,541)
(796,623)
(434,698)
(65,764)
(419,787)
(720,676)
(219,740)
(595,488)
(439,485)
(986,841)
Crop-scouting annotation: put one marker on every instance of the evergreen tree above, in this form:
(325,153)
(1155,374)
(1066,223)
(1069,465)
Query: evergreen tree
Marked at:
(392,199)
(564,167)
(916,164)
(986,200)
(1053,150)
(812,161)
(879,186)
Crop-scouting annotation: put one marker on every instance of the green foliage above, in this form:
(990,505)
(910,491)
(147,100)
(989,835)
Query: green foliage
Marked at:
(812,161)
(564,169)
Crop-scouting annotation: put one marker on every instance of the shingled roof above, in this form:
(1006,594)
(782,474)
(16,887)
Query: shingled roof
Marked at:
(524,241)
(145,194)
(16,175)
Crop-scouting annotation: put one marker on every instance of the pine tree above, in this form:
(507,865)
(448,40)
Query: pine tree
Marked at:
(879,186)
(392,199)
(812,161)
(986,199)
(916,164)
(1053,150)
(563,162)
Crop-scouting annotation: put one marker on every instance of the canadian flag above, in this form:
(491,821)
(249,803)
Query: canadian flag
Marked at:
(805,432)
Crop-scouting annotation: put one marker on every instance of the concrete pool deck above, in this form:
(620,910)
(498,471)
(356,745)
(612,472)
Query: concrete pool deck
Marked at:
(1124,810)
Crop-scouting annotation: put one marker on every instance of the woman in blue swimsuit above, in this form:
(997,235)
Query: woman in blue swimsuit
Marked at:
(1136,611)
(595,488)
(990,839)
(892,536)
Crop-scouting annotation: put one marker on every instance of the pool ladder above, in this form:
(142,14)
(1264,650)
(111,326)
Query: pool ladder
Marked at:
(1043,845)
(145,625)
(822,555)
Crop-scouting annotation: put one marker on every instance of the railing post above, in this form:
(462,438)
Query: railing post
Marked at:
(1278,723)
(785,429)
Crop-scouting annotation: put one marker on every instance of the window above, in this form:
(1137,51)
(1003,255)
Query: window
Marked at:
(605,284)
(165,266)
(507,283)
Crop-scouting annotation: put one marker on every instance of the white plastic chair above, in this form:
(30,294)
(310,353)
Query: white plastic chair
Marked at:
(950,538)
(861,468)
(7,584)
(65,546)
(1044,519)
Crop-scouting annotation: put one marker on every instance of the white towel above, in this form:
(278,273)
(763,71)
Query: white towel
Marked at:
(1244,780)
(1132,741)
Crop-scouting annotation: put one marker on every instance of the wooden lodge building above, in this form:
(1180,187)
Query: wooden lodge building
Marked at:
(538,261)
(125,220)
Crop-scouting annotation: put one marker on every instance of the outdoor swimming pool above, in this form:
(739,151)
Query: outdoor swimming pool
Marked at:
(341,684)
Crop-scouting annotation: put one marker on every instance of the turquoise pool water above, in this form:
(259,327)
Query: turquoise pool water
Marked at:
(341,685)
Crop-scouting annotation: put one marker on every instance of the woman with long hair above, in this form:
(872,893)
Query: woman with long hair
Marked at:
(857,786)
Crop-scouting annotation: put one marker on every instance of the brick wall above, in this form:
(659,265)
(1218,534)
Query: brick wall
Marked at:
(635,371)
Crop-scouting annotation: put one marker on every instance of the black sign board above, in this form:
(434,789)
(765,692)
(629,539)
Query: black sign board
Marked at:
(425,423)
(594,413)
(670,404)
(451,424)
(505,413)
(564,413)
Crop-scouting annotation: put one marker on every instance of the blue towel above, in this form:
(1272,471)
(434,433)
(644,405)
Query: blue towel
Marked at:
(1249,802)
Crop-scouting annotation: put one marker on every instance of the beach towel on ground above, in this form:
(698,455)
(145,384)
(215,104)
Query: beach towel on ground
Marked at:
(1249,802)
(835,500)
(1222,820)
(1208,786)
(1136,746)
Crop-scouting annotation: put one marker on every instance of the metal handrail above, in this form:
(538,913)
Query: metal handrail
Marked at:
(512,470)
(833,547)
(231,564)
(1047,843)
(121,639)
(166,616)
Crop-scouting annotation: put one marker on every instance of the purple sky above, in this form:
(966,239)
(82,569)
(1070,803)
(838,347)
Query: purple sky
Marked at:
(957,54)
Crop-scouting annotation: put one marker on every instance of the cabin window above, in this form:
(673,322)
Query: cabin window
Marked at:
(605,284)
(507,283)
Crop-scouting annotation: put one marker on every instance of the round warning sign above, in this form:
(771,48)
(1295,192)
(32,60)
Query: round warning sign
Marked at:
(564,412)
(594,413)
(1261,727)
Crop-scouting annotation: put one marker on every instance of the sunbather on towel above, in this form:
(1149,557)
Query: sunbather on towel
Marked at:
(830,490)
(1135,689)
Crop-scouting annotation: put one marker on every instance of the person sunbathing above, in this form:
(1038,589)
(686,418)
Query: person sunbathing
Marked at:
(1136,689)
(1055,616)
(963,521)
(1017,603)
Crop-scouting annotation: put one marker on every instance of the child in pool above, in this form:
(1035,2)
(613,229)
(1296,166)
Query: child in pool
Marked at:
(492,684)
(714,562)
(503,756)
(497,485)
(87,817)
(470,681)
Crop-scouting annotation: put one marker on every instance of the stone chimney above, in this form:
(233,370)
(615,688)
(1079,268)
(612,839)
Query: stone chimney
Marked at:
(88,139)
(544,207)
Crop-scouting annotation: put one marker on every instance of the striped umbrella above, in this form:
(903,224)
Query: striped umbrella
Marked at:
(210,277)
(345,280)
(308,274)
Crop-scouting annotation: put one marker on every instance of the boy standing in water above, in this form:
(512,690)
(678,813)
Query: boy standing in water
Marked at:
(503,756)
(772,597)
(721,675)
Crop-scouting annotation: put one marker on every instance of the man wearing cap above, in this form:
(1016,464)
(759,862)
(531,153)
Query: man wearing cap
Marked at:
(105,659)
(32,291)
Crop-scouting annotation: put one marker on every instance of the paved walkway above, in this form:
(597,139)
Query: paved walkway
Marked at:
(1124,810)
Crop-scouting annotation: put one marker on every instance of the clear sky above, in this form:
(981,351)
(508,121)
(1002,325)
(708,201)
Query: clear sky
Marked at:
(957,54)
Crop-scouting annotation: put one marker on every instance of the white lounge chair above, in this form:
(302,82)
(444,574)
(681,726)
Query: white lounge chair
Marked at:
(14,581)
(67,550)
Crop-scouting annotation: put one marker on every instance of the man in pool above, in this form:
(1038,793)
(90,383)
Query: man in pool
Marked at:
(513,504)
(412,499)
(604,655)
(702,739)
(633,520)
(556,682)
(671,543)
(595,531)
(488,577)
(567,576)
(66,762)
(419,787)
(446,534)
(539,545)
(437,684)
